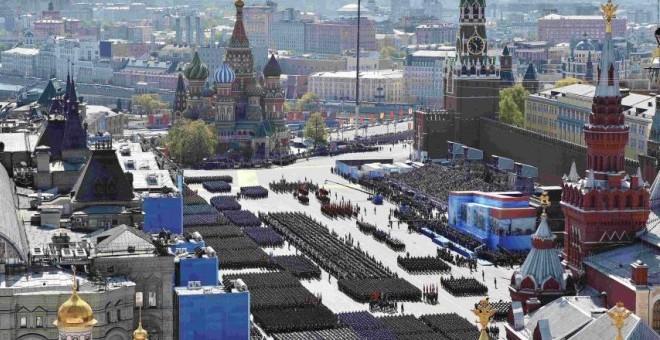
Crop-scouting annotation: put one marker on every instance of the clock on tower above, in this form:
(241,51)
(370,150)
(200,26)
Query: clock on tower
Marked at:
(471,41)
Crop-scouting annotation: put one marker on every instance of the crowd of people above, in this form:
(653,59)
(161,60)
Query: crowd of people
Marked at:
(381,236)
(339,209)
(216,186)
(255,191)
(423,265)
(463,286)
(438,181)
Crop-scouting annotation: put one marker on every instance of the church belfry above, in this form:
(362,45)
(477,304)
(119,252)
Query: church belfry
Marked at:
(471,41)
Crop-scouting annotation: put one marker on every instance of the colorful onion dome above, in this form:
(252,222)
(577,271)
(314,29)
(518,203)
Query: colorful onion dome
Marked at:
(196,70)
(272,68)
(239,3)
(224,74)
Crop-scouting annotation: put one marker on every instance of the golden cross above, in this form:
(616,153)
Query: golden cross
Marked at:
(619,315)
(75,282)
(545,201)
(609,13)
(484,312)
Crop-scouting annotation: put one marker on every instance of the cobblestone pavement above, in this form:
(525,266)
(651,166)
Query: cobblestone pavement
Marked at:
(318,170)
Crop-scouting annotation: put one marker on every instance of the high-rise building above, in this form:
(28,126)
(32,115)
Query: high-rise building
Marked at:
(423,77)
(555,28)
(335,37)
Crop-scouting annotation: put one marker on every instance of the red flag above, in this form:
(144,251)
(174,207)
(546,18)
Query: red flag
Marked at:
(371,117)
(400,113)
(391,114)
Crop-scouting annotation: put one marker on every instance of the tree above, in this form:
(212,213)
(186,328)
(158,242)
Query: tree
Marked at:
(316,130)
(247,151)
(118,105)
(568,81)
(148,103)
(191,141)
(388,52)
(308,102)
(287,106)
(512,105)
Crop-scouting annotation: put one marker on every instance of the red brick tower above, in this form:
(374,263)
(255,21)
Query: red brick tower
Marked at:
(605,209)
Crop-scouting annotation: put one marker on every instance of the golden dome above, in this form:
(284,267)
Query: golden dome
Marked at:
(75,313)
(140,333)
(239,3)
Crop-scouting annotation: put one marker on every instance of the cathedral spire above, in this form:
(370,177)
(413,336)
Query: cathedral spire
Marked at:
(589,74)
(239,36)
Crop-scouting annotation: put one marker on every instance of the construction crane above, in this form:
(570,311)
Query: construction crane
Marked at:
(376,199)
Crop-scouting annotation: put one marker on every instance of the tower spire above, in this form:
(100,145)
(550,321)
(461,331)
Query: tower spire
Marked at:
(608,197)
(140,333)
(239,36)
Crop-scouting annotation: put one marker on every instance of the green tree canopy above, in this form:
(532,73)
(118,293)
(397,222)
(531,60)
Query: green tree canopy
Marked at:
(287,106)
(567,81)
(316,130)
(390,52)
(190,142)
(512,105)
(148,103)
(308,102)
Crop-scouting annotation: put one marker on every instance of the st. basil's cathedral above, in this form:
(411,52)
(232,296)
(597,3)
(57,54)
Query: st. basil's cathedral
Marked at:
(246,109)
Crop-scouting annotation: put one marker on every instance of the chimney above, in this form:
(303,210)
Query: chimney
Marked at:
(603,299)
(532,305)
(189,31)
(542,330)
(179,37)
(516,316)
(200,31)
(43,159)
(634,181)
(640,273)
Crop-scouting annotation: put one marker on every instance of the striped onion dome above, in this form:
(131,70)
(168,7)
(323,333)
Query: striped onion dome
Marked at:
(196,70)
(224,74)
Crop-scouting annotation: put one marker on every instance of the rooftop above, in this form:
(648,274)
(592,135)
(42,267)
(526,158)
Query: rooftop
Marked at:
(55,281)
(204,290)
(18,141)
(616,263)
(380,74)
(22,51)
(598,18)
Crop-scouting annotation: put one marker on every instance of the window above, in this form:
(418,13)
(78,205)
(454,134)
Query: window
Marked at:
(118,314)
(39,322)
(23,322)
(108,318)
(152,299)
